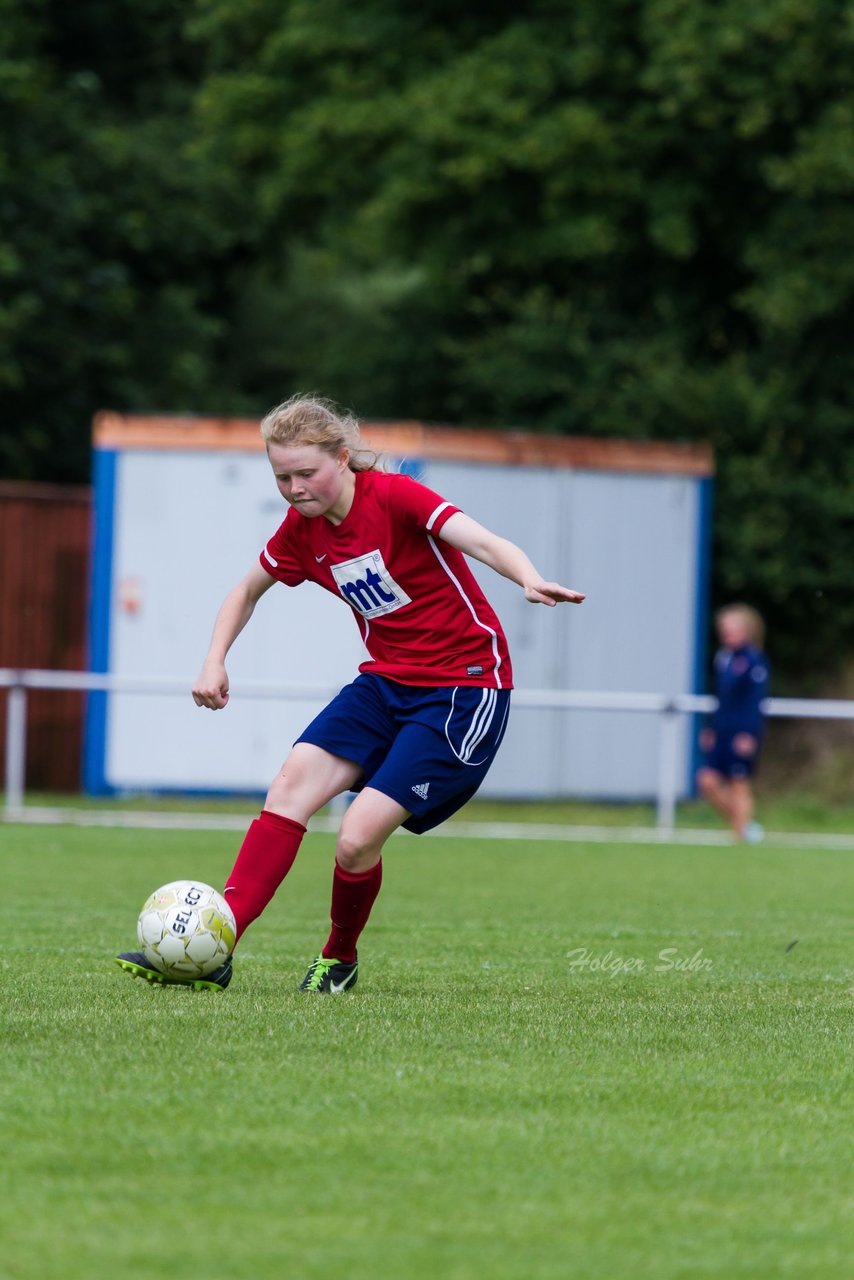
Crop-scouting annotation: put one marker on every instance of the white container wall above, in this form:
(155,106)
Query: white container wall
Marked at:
(176,528)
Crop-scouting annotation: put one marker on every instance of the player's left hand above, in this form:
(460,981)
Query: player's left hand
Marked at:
(551,593)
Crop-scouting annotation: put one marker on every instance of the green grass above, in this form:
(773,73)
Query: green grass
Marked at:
(789,812)
(782,811)
(477,1109)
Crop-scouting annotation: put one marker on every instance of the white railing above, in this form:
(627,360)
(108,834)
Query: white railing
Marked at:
(669,708)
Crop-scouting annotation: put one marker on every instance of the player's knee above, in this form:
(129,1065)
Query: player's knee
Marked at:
(355,851)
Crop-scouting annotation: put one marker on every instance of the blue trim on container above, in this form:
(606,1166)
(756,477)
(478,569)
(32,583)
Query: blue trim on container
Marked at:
(705,504)
(100,607)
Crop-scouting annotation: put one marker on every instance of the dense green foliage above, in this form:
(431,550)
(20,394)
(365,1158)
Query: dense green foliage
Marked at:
(617,217)
(487,1103)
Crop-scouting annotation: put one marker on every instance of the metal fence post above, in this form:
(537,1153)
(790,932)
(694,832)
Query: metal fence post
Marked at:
(16,748)
(668,761)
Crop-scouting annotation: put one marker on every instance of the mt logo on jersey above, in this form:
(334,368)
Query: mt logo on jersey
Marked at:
(366,585)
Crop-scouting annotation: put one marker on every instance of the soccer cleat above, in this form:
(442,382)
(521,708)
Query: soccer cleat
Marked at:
(330,976)
(753,833)
(135,963)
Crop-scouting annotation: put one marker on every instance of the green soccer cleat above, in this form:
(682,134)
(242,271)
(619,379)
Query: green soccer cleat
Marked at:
(330,977)
(135,963)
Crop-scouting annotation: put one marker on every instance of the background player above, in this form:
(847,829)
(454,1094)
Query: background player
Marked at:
(733,740)
(417,730)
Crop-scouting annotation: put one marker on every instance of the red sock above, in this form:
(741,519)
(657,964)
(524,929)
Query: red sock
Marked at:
(265,858)
(352,899)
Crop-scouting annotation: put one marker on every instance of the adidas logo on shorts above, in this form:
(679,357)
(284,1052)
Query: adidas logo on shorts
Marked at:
(421,789)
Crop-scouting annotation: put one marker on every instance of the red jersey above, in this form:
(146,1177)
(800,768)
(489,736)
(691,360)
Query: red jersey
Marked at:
(423,618)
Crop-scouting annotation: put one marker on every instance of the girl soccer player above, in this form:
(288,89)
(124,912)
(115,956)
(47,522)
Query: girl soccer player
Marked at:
(732,741)
(417,730)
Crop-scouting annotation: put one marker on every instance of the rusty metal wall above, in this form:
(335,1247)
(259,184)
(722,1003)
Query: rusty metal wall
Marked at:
(45,538)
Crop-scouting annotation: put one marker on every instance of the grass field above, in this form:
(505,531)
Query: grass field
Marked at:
(783,811)
(522,1087)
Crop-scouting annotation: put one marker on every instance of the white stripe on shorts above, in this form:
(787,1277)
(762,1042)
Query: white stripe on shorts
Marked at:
(477,730)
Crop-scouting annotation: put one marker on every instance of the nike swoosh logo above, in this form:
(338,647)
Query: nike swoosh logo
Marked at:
(335,988)
(323,557)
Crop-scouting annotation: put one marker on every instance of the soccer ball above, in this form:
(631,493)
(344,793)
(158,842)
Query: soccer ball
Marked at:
(186,929)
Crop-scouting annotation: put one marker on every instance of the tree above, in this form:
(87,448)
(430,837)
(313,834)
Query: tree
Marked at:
(111,243)
(619,218)
(616,217)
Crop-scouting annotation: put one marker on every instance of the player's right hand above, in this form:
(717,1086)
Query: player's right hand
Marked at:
(211,687)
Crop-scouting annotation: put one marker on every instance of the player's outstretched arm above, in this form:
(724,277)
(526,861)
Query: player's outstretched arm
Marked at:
(506,558)
(211,687)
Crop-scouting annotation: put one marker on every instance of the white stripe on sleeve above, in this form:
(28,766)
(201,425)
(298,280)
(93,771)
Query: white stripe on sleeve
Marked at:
(435,516)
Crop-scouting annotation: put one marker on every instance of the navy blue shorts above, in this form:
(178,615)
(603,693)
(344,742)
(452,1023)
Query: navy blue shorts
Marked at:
(428,749)
(724,759)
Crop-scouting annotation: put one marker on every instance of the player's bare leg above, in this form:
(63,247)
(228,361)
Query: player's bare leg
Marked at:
(732,798)
(715,788)
(742,809)
(309,779)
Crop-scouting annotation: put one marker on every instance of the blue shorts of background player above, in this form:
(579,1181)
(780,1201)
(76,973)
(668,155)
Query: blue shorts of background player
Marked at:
(427,748)
(726,760)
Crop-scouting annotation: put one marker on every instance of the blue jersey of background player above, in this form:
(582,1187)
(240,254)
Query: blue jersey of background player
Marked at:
(731,743)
